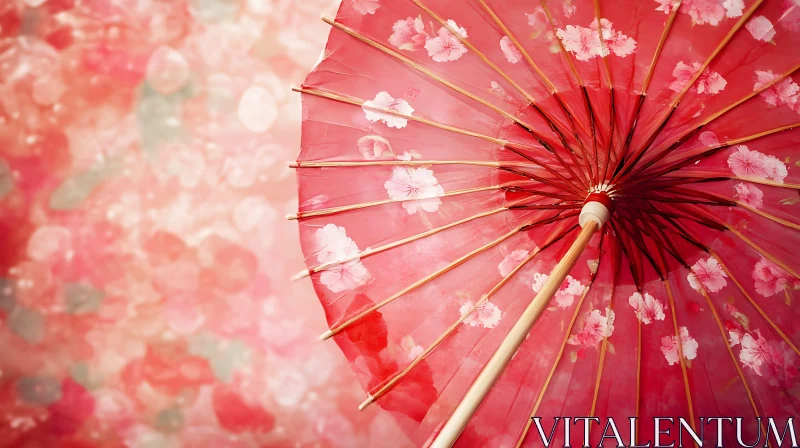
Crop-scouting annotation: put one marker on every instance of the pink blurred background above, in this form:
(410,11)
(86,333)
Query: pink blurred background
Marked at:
(144,293)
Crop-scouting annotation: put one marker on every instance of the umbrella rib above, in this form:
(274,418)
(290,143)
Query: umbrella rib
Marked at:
(685,159)
(733,357)
(577,76)
(545,80)
(763,252)
(360,102)
(754,303)
(512,146)
(676,101)
(763,214)
(665,148)
(377,250)
(456,263)
(363,205)
(554,126)
(723,177)
(389,383)
(429,73)
(601,362)
(679,345)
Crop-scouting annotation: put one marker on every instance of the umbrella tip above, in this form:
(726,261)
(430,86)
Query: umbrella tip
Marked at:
(294,165)
(325,336)
(366,402)
(296,89)
(327,19)
(301,275)
(291,217)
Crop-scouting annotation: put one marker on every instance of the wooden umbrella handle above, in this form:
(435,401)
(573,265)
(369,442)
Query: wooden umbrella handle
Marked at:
(502,356)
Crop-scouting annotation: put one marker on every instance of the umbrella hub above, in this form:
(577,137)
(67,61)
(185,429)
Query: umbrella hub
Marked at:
(597,207)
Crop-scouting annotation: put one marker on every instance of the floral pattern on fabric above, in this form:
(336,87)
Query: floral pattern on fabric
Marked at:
(511,261)
(750,195)
(747,163)
(385,101)
(648,309)
(709,82)
(596,327)
(566,294)
(586,43)
(669,347)
(418,188)
(771,279)
(334,247)
(486,315)
(707,274)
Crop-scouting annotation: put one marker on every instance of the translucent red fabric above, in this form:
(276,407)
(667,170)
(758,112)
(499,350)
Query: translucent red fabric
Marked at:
(447,150)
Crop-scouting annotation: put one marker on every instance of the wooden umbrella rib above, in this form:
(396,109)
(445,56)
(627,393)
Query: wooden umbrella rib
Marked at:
(458,262)
(646,85)
(384,388)
(545,80)
(664,149)
(369,252)
(363,205)
(733,357)
(360,102)
(602,359)
(676,101)
(390,382)
(721,177)
(552,122)
(556,362)
(678,161)
(577,76)
(754,303)
(763,252)
(429,73)
(679,344)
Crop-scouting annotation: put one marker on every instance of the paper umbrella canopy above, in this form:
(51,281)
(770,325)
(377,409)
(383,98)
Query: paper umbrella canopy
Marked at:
(513,209)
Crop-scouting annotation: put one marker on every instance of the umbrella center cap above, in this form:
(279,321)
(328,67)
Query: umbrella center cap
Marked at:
(597,207)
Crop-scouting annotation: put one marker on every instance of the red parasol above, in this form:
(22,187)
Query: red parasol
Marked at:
(584,208)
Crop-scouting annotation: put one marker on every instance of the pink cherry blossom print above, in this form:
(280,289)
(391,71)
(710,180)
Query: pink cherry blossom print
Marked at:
(749,195)
(648,309)
(596,326)
(566,294)
(669,347)
(667,6)
(776,169)
(335,246)
(709,139)
(760,28)
(418,188)
(584,43)
(511,261)
(365,7)
(373,112)
(408,34)
(569,10)
(446,47)
(615,41)
(511,52)
(709,82)
(733,8)
(487,315)
(784,92)
(704,11)
(747,164)
(771,279)
(537,19)
(709,274)
(374,147)
(756,352)
(345,276)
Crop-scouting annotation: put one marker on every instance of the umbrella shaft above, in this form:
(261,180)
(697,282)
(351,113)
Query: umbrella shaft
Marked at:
(502,356)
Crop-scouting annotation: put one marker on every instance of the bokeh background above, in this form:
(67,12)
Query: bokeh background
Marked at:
(144,255)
